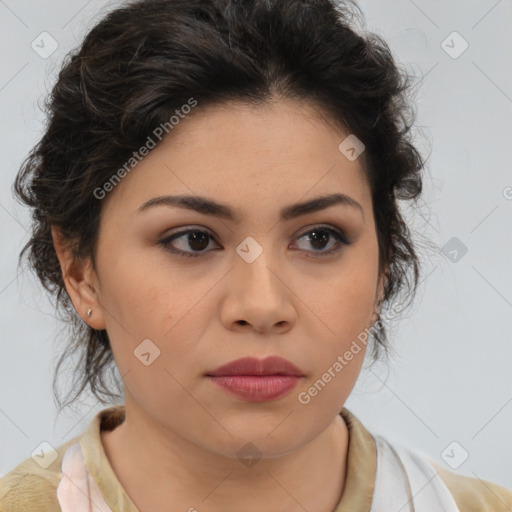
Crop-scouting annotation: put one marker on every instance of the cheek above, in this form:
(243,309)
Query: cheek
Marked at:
(346,304)
(138,292)
(351,307)
(147,300)
(346,309)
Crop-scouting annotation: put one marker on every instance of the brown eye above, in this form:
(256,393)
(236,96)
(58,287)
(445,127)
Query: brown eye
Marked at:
(322,237)
(195,239)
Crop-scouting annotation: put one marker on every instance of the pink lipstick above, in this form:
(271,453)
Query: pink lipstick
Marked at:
(257,380)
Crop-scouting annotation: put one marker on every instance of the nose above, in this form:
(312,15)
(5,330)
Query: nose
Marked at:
(258,297)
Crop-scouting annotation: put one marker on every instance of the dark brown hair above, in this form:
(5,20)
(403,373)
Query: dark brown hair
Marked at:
(146,59)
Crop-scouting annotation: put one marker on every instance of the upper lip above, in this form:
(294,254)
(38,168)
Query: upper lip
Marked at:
(272,365)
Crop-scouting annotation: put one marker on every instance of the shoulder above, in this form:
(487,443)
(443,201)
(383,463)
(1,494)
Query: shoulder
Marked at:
(33,486)
(30,486)
(473,494)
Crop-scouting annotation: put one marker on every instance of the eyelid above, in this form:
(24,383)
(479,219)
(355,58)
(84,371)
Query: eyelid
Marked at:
(340,235)
(183,230)
(330,228)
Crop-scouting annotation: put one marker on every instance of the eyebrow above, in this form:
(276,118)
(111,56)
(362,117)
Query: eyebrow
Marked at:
(208,206)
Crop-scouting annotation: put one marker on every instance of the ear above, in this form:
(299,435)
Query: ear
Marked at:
(80,281)
(378,295)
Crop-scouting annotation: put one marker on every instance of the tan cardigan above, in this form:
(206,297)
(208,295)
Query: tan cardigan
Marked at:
(28,487)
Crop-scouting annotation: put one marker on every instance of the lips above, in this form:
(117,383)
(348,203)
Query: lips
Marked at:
(257,380)
(250,366)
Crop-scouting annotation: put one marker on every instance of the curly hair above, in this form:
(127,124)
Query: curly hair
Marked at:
(145,59)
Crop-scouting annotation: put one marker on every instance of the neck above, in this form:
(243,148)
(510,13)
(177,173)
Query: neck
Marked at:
(157,467)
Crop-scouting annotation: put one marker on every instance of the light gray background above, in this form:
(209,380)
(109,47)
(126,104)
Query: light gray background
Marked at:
(451,379)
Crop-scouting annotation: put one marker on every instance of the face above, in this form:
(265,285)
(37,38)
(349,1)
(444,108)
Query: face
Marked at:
(301,286)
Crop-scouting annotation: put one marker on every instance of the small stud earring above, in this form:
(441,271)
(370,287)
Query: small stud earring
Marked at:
(89,313)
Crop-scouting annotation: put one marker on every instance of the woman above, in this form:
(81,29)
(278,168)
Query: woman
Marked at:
(215,206)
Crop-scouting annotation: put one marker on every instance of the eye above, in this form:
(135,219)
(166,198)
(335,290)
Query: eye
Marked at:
(195,239)
(322,236)
(199,240)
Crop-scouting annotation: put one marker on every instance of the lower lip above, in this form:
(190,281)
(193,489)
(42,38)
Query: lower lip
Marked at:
(255,388)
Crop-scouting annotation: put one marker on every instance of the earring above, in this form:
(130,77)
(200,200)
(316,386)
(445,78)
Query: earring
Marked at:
(89,311)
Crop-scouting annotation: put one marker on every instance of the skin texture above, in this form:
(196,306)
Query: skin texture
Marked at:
(179,442)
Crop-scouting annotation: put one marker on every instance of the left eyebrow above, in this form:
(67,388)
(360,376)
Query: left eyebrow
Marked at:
(208,206)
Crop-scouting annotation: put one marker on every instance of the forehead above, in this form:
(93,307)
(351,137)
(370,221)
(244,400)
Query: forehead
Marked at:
(258,156)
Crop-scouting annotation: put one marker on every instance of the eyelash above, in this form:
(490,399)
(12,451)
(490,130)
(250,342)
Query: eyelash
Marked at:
(340,237)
